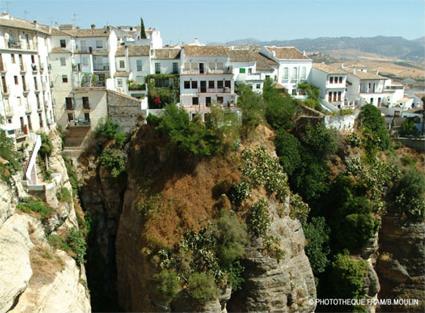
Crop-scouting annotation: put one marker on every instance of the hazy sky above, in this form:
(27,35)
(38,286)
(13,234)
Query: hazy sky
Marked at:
(224,20)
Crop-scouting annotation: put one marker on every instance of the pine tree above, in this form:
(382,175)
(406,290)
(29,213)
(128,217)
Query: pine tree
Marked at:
(142,29)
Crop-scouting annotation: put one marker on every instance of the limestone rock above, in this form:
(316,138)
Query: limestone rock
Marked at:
(6,207)
(15,267)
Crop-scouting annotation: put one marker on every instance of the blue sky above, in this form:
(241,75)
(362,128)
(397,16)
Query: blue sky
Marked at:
(224,20)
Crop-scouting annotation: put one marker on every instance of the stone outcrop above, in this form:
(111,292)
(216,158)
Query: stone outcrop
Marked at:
(401,264)
(35,277)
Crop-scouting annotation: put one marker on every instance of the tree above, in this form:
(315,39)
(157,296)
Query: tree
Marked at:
(201,287)
(374,129)
(288,148)
(280,111)
(313,95)
(142,29)
(321,141)
(317,249)
(408,196)
(252,107)
(167,285)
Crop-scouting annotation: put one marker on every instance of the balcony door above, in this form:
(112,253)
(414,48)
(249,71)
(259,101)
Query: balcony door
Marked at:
(201,68)
(203,86)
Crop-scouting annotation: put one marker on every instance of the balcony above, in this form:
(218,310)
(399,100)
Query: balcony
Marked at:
(12,44)
(215,90)
(8,110)
(34,68)
(208,71)
(101,67)
(69,106)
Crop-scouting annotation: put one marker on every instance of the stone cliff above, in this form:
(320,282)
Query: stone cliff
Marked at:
(34,275)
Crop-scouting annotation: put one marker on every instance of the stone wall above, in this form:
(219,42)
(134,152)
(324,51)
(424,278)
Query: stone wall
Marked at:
(123,110)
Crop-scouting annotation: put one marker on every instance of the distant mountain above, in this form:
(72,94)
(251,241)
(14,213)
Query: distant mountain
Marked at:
(397,47)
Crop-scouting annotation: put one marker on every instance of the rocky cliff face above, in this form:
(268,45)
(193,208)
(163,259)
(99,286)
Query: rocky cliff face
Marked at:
(34,276)
(189,193)
(401,264)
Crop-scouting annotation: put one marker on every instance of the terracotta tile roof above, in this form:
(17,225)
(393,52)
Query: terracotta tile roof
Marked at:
(329,68)
(23,24)
(367,75)
(122,74)
(58,32)
(167,53)
(205,51)
(265,64)
(100,52)
(81,33)
(241,55)
(133,51)
(286,53)
(60,50)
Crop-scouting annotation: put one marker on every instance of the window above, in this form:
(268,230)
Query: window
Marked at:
(86,104)
(29,122)
(68,103)
(15,78)
(157,68)
(330,96)
(40,117)
(186,84)
(339,95)
(119,82)
(340,79)
(220,100)
(195,101)
(13,58)
(64,78)
(250,71)
(208,101)
(294,74)
(99,44)
(219,84)
(35,83)
(211,84)
(63,61)
(258,86)
(194,84)
(122,64)
(24,85)
(70,117)
(175,67)
(3,82)
(32,59)
(242,70)
(331,79)
(139,65)
(227,84)
(63,43)
(87,117)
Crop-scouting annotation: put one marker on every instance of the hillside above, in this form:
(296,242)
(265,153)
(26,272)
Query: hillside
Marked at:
(394,47)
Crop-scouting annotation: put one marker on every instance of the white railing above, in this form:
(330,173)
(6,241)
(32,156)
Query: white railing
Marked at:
(31,172)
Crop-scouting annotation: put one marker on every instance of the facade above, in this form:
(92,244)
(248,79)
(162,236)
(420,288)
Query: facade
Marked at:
(26,100)
(331,80)
(206,77)
(294,67)
(366,87)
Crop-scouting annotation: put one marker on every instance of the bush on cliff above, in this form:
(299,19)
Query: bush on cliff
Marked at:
(114,160)
(202,287)
(317,248)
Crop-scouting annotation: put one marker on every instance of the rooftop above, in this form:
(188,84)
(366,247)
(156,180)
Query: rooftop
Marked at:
(205,51)
(8,21)
(60,50)
(329,68)
(133,51)
(84,33)
(286,53)
(167,53)
(367,75)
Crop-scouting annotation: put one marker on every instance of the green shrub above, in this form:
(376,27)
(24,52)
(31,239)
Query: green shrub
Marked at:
(348,276)
(408,196)
(77,243)
(231,238)
(317,248)
(298,208)
(46,147)
(258,219)
(252,108)
(313,95)
(321,141)
(202,287)
(114,160)
(110,130)
(10,155)
(167,285)
(235,275)
(153,120)
(408,128)
(64,195)
(288,148)
(34,205)
(280,112)
(239,192)
(72,174)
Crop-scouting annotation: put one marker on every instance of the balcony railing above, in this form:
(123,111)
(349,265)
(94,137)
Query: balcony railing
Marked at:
(11,44)
(101,67)
(226,70)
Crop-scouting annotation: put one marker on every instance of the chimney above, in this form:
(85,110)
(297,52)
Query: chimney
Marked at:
(92,26)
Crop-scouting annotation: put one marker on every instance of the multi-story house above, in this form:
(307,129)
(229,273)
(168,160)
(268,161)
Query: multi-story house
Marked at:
(294,67)
(206,77)
(331,80)
(166,60)
(128,35)
(26,100)
(366,87)
(251,67)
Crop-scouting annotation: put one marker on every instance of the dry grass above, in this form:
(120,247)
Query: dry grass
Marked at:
(45,263)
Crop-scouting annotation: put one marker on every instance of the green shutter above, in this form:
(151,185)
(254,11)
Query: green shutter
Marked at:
(242,70)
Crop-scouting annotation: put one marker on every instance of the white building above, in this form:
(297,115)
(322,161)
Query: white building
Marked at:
(294,67)
(26,100)
(331,80)
(129,35)
(206,77)
(251,67)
